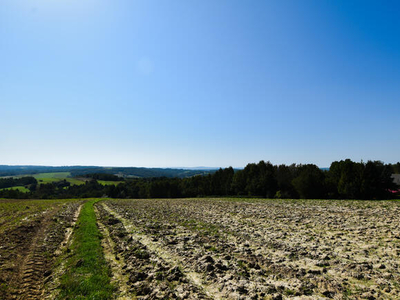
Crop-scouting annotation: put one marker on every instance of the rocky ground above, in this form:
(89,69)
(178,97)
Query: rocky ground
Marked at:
(255,249)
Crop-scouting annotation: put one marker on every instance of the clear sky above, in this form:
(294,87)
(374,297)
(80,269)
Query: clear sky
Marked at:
(198,82)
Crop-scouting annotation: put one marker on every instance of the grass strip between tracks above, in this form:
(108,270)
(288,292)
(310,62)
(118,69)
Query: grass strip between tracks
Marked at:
(87,274)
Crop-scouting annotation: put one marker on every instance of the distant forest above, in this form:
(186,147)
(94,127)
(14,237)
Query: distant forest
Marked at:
(343,180)
(84,170)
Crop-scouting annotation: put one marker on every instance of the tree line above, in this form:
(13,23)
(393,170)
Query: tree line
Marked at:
(81,171)
(343,180)
(22,181)
(102,176)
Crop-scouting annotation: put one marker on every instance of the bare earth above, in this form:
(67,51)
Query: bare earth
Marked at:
(271,249)
(29,247)
(212,248)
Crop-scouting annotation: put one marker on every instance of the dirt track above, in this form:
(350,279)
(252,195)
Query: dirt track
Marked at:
(28,251)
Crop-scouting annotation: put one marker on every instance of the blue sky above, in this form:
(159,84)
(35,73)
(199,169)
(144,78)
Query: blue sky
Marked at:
(198,83)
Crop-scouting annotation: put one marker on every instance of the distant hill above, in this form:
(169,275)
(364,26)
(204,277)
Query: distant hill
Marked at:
(134,172)
(127,172)
(198,168)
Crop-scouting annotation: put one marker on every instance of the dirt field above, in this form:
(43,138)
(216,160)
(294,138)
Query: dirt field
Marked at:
(215,249)
(221,249)
(32,235)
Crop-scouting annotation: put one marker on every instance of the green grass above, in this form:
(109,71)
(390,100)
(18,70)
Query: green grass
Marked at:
(75,181)
(18,188)
(104,182)
(57,176)
(54,177)
(87,274)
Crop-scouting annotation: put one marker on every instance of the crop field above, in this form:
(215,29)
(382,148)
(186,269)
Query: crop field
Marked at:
(44,178)
(18,188)
(57,176)
(199,249)
(104,182)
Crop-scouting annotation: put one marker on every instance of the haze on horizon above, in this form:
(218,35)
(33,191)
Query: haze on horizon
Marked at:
(198,83)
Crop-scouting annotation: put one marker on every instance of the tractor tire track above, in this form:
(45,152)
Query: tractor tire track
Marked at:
(32,271)
(53,280)
(52,237)
(115,261)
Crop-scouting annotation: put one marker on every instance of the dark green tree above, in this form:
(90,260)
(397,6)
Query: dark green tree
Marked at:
(309,183)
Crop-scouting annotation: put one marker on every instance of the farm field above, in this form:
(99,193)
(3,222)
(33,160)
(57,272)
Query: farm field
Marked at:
(199,249)
(44,178)
(104,182)
(52,177)
(18,188)
(57,176)
(32,234)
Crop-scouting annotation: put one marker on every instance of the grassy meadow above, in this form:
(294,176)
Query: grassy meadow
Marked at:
(44,178)
(18,188)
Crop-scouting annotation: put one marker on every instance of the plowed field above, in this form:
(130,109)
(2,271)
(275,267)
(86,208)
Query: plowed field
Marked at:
(212,249)
(32,234)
